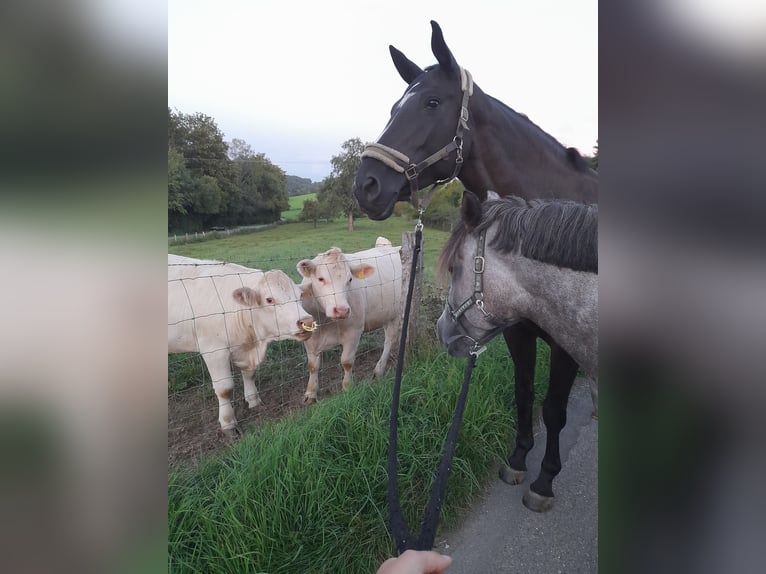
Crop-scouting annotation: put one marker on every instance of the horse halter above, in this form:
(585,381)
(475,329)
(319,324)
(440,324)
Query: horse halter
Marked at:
(399,162)
(476,298)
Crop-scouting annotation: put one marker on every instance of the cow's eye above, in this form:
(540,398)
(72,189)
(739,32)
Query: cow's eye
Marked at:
(270,300)
(320,279)
(432,103)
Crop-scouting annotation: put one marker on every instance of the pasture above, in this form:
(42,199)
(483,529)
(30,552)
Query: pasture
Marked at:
(305,484)
(296,205)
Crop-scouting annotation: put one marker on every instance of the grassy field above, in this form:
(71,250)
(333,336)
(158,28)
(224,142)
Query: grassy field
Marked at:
(307,493)
(296,205)
(282,246)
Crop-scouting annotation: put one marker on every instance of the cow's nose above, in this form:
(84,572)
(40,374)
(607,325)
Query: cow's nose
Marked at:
(306,323)
(340,311)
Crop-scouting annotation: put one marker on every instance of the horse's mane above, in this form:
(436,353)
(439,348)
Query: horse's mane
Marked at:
(572,155)
(557,232)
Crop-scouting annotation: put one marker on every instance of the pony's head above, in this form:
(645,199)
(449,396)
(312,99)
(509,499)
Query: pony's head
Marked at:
(426,137)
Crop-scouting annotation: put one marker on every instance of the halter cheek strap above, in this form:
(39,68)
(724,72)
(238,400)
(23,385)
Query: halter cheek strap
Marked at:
(477,297)
(399,162)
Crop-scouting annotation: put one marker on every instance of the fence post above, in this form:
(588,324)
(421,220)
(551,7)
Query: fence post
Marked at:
(408,247)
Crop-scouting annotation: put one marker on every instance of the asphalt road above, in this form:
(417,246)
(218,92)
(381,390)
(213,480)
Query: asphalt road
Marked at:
(501,536)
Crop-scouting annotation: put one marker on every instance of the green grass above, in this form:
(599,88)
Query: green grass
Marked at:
(296,205)
(282,246)
(308,493)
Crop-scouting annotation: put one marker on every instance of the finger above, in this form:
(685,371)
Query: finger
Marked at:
(431,562)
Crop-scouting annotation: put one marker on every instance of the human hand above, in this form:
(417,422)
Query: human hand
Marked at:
(416,562)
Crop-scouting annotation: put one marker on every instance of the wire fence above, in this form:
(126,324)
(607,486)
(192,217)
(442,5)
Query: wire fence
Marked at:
(200,293)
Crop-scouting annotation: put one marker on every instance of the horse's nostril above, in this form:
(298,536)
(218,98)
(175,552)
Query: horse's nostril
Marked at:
(371,187)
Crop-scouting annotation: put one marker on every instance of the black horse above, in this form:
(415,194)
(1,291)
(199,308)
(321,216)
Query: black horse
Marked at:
(445,126)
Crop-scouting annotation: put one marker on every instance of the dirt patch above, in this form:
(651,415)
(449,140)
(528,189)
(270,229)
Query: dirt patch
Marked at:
(193,429)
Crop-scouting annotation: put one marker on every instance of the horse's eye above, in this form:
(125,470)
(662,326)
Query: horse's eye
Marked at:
(432,103)
(269,300)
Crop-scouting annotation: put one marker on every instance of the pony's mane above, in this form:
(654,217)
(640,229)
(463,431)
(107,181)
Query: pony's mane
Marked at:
(561,233)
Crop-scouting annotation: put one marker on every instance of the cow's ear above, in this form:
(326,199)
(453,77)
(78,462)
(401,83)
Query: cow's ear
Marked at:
(362,270)
(247,297)
(305,267)
(306,288)
(470,211)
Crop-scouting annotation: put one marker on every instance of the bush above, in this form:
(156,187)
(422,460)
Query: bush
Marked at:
(444,209)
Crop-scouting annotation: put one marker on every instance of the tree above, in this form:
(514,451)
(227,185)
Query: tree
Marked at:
(594,160)
(179,183)
(336,192)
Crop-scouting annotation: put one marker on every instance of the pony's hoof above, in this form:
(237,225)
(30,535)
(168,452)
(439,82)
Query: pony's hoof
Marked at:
(537,502)
(511,476)
(308,401)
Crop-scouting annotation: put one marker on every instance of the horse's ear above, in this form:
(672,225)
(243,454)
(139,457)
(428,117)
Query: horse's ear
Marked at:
(407,69)
(470,210)
(441,51)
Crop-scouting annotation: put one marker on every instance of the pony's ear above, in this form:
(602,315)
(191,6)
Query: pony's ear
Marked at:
(470,211)
(407,69)
(441,51)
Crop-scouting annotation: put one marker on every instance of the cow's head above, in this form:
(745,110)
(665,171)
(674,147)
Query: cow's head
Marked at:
(272,308)
(331,276)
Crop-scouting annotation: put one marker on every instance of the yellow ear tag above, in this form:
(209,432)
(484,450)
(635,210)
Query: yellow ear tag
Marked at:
(360,274)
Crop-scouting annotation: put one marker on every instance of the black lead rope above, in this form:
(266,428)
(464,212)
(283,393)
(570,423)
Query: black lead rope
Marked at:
(398,526)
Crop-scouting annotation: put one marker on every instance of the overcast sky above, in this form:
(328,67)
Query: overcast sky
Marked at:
(295,79)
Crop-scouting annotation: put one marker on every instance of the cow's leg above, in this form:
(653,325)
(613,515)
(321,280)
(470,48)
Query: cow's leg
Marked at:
(251,392)
(563,368)
(522,344)
(390,331)
(223,383)
(347,357)
(314,359)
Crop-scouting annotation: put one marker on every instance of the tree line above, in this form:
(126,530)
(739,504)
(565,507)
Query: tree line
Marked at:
(212,183)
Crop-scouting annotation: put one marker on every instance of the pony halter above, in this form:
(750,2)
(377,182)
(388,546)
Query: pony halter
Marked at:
(476,298)
(399,162)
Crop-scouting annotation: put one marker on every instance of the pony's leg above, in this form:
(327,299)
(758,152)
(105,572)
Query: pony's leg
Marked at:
(251,392)
(314,359)
(223,383)
(390,332)
(522,344)
(539,497)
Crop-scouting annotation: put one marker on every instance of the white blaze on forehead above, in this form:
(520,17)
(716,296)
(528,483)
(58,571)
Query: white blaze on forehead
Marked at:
(407,95)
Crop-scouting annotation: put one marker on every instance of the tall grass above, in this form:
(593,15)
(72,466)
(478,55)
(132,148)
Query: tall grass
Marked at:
(308,493)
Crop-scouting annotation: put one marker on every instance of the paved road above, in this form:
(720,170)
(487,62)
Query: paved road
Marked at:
(501,536)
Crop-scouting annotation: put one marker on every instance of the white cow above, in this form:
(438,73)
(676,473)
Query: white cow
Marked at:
(230,312)
(349,294)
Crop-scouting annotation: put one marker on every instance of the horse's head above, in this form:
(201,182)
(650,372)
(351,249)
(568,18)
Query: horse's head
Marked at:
(426,137)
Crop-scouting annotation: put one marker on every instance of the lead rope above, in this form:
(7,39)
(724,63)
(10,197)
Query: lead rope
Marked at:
(397,524)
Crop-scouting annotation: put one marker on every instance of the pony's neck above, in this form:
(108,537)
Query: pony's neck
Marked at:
(512,156)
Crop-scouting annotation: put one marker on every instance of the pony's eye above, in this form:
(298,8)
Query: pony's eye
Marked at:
(432,103)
